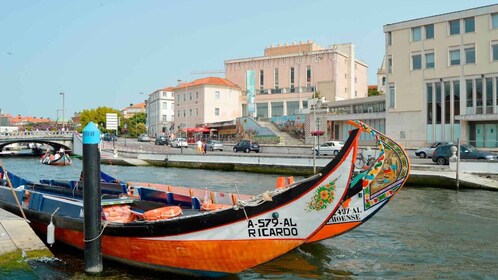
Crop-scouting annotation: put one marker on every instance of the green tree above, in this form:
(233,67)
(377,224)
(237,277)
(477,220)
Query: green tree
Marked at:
(98,116)
(136,124)
(373,92)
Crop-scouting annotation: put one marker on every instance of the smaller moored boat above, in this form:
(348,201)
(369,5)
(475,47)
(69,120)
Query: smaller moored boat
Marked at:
(60,158)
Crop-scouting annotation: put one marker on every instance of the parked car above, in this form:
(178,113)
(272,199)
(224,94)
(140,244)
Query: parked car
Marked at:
(427,151)
(161,140)
(110,137)
(144,138)
(247,146)
(212,145)
(329,147)
(443,153)
(178,143)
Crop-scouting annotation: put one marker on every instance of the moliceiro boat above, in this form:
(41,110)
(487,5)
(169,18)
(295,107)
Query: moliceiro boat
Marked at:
(370,189)
(170,232)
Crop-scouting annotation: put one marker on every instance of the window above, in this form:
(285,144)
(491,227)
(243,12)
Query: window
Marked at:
(392,96)
(416,61)
(416,34)
(261,81)
(478,96)
(217,95)
(262,110)
(389,65)
(276,78)
(469,24)
(216,111)
(189,96)
(454,27)
(308,76)
(196,112)
(437,100)
(455,57)
(456,100)
(429,60)
(178,98)
(489,95)
(429,31)
(469,88)
(196,95)
(178,113)
(494,51)
(292,107)
(292,80)
(494,21)
(429,102)
(165,118)
(165,105)
(190,112)
(389,38)
(277,109)
(470,55)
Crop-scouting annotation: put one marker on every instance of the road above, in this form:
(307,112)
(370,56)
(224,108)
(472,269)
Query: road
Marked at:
(132,144)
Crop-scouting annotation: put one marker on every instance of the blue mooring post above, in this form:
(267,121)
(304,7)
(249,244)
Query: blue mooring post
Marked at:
(91,199)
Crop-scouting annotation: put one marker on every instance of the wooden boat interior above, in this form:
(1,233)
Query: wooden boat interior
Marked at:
(121,202)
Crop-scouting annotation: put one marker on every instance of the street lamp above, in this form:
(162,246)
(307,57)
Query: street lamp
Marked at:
(62,110)
(178,141)
(317,125)
(318,135)
(186,112)
(126,130)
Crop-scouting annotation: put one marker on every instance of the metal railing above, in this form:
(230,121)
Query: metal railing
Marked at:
(35,134)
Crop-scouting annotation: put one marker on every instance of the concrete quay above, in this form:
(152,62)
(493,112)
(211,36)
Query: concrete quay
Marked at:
(421,175)
(18,241)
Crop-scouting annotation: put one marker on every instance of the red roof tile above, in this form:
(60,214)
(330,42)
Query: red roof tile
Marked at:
(208,81)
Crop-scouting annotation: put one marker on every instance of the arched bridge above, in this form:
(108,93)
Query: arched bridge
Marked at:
(56,139)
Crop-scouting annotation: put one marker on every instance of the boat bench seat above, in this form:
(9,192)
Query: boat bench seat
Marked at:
(168,198)
(47,203)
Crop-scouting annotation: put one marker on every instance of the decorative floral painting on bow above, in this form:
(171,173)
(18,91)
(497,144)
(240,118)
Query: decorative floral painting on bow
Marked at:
(323,196)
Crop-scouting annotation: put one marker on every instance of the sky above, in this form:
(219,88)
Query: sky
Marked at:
(115,53)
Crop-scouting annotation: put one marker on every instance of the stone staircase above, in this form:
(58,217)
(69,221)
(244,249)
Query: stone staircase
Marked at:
(285,138)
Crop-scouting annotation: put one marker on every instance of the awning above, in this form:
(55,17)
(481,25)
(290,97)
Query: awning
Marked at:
(197,129)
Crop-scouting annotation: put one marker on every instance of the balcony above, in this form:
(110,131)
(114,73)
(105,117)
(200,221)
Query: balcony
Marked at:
(286,90)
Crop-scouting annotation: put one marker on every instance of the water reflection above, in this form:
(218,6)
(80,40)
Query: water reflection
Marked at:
(424,233)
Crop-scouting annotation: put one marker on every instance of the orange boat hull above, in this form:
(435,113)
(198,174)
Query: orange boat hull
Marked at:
(329,231)
(217,256)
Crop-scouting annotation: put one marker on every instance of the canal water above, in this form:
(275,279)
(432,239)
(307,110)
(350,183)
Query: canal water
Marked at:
(424,233)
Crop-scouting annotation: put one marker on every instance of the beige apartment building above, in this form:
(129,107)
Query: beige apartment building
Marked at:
(289,75)
(206,100)
(442,78)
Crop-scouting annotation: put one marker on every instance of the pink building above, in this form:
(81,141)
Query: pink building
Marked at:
(206,100)
(287,76)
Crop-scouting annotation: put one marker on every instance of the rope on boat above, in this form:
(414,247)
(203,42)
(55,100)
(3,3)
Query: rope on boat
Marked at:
(52,216)
(100,234)
(238,195)
(6,175)
(267,196)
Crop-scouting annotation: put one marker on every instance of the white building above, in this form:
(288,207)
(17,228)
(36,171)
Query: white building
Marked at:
(160,112)
(442,78)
